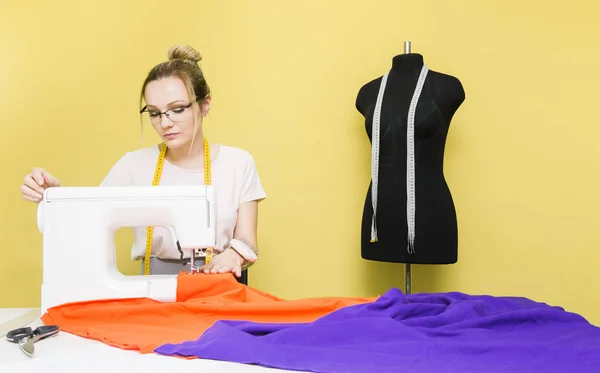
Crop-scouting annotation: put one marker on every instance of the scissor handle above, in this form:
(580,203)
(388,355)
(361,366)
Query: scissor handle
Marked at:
(16,335)
(36,334)
(44,331)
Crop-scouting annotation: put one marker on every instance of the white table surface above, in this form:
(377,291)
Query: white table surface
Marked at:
(69,353)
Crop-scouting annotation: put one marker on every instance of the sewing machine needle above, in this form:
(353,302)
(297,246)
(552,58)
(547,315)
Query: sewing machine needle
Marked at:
(192,261)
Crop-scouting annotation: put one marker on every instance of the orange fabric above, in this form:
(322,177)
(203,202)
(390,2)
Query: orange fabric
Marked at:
(144,324)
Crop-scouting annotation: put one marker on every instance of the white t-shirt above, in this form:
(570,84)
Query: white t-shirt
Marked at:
(233,175)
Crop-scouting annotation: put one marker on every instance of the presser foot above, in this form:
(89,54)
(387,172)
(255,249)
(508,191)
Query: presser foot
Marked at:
(193,266)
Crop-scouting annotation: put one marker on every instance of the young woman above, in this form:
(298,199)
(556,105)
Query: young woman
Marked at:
(177,99)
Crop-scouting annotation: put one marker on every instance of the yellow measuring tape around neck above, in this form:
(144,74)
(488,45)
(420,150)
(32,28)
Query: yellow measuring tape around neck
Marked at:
(156,181)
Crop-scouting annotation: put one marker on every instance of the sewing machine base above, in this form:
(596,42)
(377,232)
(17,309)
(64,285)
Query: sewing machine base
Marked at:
(159,287)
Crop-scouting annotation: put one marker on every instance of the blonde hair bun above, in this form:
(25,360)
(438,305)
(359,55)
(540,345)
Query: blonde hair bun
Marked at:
(184,52)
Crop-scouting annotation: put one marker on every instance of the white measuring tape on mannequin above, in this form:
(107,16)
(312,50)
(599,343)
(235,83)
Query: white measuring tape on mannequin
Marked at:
(410,158)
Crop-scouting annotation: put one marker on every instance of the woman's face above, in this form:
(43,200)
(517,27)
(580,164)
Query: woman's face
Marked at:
(176,128)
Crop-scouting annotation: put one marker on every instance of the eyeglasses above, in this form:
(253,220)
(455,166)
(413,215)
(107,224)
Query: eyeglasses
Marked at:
(176,114)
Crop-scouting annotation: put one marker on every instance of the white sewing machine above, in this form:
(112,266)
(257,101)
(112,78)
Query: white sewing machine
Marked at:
(79,225)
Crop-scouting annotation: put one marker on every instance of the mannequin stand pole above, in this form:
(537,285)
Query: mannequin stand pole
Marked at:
(407,278)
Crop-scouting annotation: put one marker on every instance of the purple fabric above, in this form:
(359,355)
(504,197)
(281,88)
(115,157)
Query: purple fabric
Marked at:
(420,333)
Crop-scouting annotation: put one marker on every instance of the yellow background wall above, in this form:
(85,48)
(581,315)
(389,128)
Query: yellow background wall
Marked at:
(521,160)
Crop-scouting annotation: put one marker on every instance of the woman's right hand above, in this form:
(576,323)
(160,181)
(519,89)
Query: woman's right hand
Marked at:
(36,182)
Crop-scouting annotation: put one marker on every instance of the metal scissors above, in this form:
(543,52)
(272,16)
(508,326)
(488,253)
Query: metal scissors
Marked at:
(26,337)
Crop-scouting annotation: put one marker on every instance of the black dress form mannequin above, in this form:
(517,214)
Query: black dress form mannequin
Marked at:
(435,222)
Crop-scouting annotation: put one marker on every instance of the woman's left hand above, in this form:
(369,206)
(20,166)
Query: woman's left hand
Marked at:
(227,261)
